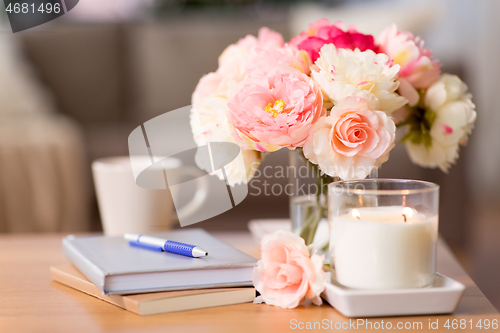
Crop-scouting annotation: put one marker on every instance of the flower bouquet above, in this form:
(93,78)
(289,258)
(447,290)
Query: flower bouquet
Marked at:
(337,95)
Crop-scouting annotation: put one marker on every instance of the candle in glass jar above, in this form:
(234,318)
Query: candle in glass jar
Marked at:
(384,248)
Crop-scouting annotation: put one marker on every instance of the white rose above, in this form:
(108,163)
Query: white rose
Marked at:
(454,119)
(344,73)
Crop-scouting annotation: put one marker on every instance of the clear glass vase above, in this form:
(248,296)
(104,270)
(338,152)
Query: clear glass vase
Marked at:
(308,187)
(308,200)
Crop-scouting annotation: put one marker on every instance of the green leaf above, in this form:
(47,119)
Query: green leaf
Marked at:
(429,117)
(406,137)
(427,141)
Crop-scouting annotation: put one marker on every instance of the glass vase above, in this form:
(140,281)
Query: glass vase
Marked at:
(308,189)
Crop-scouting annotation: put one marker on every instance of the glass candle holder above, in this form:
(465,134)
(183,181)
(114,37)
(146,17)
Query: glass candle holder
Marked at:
(383,233)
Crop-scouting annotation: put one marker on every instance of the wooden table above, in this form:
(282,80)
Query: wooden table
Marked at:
(30,302)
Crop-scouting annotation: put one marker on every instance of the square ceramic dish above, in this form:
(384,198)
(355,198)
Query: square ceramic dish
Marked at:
(441,297)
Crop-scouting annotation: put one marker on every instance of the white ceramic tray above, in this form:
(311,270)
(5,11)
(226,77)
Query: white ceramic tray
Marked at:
(442,297)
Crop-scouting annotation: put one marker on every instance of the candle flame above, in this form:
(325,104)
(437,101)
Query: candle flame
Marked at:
(356,214)
(408,212)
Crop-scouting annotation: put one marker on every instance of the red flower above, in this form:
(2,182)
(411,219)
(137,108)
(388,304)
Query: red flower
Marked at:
(323,32)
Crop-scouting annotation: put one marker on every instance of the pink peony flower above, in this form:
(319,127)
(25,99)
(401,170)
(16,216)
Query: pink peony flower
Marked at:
(418,69)
(267,39)
(265,61)
(253,56)
(237,58)
(209,124)
(323,32)
(352,141)
(286,275)
(208,115)
(207,85)
(275,111)
(245,48)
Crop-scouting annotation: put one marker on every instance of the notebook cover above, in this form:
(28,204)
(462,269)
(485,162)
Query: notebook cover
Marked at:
(99,257)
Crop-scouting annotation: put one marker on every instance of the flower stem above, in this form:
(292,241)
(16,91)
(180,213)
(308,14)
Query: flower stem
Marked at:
(314,214)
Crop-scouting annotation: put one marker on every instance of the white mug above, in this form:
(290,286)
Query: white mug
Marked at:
(126,207)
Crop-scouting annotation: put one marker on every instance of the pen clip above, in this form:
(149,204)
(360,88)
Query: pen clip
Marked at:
(146,246)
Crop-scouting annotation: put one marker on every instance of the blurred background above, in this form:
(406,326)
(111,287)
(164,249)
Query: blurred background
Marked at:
(73,89)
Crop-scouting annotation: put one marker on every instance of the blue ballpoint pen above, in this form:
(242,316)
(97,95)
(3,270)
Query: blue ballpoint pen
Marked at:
(159,244)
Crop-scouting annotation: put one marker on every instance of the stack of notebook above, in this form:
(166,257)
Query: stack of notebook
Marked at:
(149,282)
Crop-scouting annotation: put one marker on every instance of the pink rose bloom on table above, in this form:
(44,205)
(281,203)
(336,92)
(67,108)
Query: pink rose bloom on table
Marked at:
(323,32)
(418,69)
(352,141)
(275,111)
(286,275)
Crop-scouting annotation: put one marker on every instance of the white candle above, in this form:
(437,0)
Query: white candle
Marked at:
(375,248)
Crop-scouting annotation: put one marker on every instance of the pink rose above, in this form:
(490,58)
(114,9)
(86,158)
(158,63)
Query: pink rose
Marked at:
(352,141)
(323,32)
(275,111)
(418,69)
(286,275)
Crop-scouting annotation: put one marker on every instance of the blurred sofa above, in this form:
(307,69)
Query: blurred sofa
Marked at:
(43,182)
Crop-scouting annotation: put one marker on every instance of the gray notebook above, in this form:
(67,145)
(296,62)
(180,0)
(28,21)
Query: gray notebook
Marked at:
(115,267)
